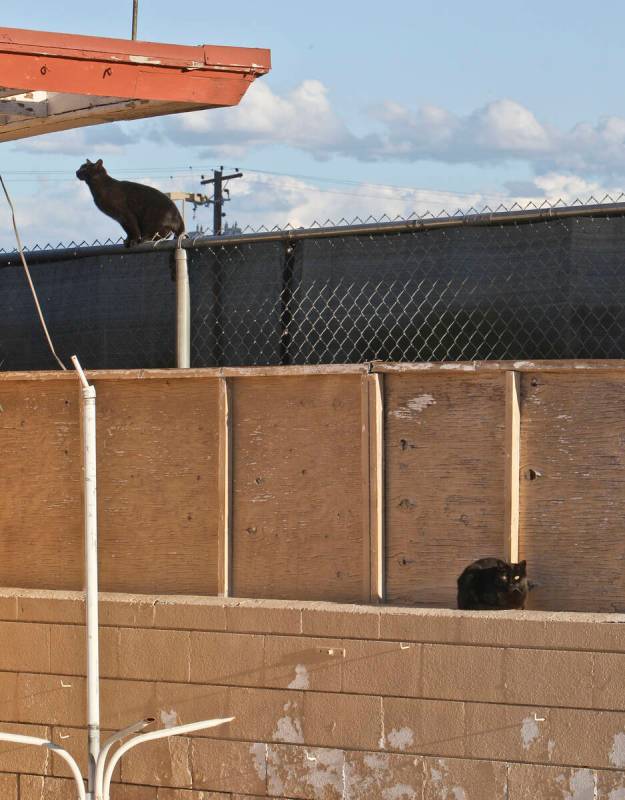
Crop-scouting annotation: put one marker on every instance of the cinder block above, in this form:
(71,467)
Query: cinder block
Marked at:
(8,696)
(457,672)
(342,720)
(425,727)
(265,617)
(164,762)
(309,773)
(419,625)
(530,782)
(124,791)
(260,714)
(384,668)
(608,681)
(35,787)
(191,794)
(157,655)
(64,608)
(610,785)
(588,738)
(220,766)
(227,658)
(126,611)
(189,614)
(42,699)
(8,787)
(68,654)
(8,605)
(301,662)
(24,647)
(343,623)
(447,778)
(549,677)
(125,702)
(382,775)
(502,732)
(23,758)
(586,632)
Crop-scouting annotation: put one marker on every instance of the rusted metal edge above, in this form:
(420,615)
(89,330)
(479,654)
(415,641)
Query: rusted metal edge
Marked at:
(95,48)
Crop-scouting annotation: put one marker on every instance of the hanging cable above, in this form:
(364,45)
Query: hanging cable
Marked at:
(30,281)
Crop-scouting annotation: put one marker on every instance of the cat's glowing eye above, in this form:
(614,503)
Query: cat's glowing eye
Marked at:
(517,577)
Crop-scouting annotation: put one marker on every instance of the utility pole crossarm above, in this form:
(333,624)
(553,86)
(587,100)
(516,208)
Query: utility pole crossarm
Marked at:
(218,195)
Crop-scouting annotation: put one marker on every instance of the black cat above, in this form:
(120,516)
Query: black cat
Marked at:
(492,584)
(143,212)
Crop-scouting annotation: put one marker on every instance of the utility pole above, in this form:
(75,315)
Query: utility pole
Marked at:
(218,195)
(135,14)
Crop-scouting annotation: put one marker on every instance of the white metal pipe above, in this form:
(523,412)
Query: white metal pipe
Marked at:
(91,569)
(99,772)
(34,740)
(163,733)
(183,309)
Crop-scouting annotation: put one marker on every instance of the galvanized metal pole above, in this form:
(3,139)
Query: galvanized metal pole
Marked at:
(91,570)
(183,309)
(135,14)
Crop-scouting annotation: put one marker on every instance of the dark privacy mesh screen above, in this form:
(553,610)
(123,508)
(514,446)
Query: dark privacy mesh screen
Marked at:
(504,290)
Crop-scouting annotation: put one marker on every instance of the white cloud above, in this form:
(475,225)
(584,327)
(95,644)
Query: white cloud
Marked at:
(99,140)
(303,119)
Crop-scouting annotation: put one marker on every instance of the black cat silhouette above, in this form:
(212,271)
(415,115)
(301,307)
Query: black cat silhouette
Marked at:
(143,212)
(490,583)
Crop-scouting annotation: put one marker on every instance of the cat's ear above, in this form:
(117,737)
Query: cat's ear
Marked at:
(98,163)
(89,161)
(522,567)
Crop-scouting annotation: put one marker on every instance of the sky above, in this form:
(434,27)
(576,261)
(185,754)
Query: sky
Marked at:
(431,106)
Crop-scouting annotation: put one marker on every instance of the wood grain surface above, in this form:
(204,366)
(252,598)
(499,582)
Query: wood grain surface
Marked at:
(445,470)
(297,503)
(573,490)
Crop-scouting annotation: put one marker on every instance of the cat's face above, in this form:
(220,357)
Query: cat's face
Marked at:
(512,578)
(90,169)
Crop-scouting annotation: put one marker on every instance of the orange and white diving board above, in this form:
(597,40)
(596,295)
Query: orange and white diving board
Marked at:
(55,81)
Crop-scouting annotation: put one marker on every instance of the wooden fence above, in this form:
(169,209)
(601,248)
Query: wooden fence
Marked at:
(372,483)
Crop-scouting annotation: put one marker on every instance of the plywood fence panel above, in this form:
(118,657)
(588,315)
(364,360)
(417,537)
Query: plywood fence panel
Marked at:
(445,475)
(299,516)
(573,489)
(40,485)
(157,485)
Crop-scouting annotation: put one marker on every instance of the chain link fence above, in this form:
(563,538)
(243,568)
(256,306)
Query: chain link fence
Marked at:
(527,284)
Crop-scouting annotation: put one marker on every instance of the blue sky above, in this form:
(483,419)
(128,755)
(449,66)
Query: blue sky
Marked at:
(456,103)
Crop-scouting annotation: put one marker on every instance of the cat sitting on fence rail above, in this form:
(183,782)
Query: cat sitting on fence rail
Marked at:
(493,584)
(143,212)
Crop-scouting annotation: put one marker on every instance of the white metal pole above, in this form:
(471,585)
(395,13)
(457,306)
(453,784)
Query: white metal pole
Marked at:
(116,737)
(183,309)
(91,570)
(149,737)
(18,738)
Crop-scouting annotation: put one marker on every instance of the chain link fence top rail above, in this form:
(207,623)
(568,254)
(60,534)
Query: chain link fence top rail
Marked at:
(525,284)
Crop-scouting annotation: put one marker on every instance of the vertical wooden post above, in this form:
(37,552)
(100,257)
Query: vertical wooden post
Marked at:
(376,486)
(513,464)
(224,578)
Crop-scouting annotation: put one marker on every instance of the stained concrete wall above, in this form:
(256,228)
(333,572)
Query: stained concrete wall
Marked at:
(331,702)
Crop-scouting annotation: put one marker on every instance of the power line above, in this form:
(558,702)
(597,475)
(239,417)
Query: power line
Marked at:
(191,171)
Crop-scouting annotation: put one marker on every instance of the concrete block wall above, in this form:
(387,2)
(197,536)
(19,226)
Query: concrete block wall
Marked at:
(331,702)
